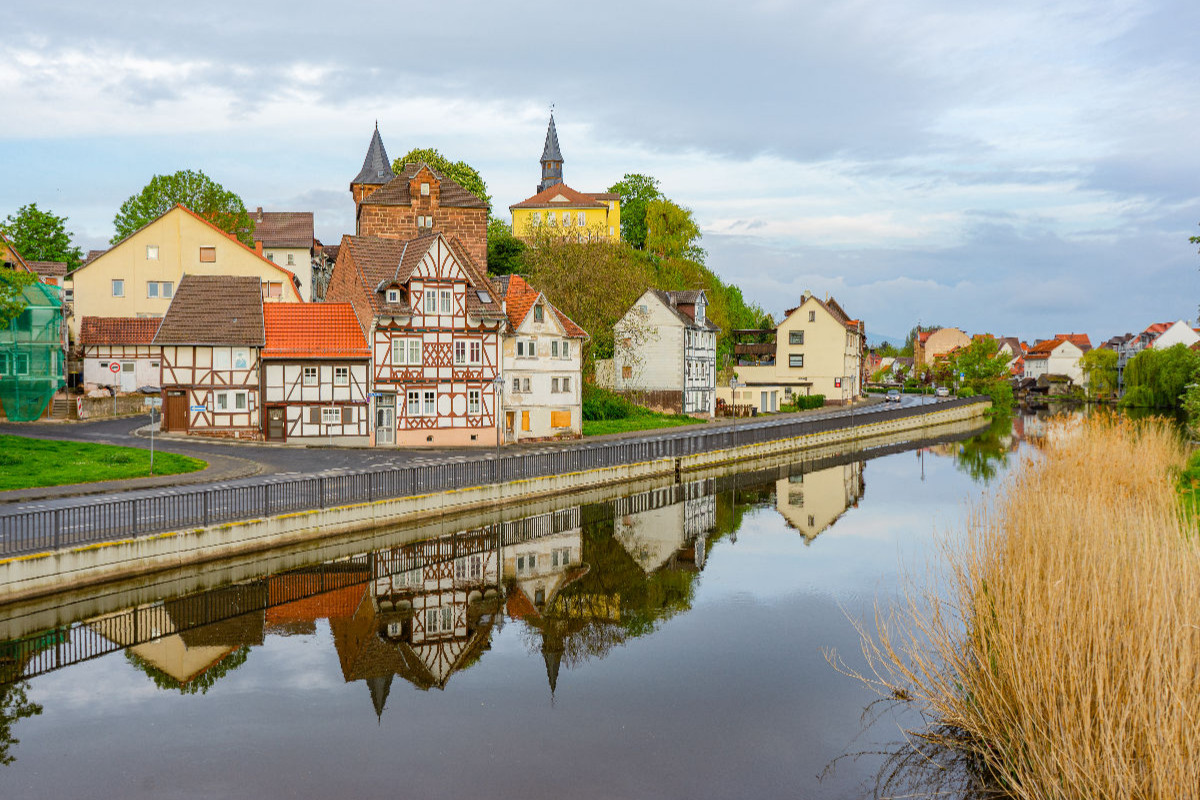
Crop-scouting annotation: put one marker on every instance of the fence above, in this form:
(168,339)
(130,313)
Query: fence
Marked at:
(52,529)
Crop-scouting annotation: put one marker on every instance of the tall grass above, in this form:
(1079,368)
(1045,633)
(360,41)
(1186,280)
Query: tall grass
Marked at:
(1065,660)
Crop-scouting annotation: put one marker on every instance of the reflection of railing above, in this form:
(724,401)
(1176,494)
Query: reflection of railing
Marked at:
(49,529)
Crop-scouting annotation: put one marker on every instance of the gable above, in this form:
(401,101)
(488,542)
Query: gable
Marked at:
(440,264)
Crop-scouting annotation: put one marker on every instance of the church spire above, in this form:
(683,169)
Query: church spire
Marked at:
(551,158)
(377,168)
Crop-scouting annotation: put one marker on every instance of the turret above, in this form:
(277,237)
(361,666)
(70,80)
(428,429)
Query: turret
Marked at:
(552,159)
(376,171)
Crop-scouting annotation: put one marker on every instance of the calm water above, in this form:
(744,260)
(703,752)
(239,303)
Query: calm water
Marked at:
(668,644)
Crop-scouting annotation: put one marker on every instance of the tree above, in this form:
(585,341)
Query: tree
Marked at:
(983,369)
(1158,378)
(12,283)
(41,236)
(1099,367)
(196,191)
(460,172)
(636,192)
(671,232)
(504,251)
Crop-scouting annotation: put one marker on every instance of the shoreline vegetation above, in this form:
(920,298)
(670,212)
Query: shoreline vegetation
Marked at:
(32,463)
(1063,657)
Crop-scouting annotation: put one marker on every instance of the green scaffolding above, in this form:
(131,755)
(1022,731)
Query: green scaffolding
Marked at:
(31,355)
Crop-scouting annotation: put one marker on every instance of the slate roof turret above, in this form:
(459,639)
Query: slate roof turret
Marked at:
(376,168)
(551,152)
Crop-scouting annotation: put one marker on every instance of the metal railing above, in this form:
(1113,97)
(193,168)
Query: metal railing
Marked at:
(91,522)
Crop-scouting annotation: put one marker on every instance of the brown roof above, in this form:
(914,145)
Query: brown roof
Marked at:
(51,268)
(395,192)
(572,199)
(215,310)
(283,228)
(670,299)
(1080,340)
(390,262)
(118,330)
(602,195)
(313,330)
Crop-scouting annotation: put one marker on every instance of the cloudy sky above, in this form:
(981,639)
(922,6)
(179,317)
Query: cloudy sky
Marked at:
(1026,168)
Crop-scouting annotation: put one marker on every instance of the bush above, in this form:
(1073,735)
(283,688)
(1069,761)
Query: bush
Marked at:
(802,402)
(602,404)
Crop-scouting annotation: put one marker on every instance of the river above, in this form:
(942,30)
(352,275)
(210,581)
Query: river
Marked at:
(669,643)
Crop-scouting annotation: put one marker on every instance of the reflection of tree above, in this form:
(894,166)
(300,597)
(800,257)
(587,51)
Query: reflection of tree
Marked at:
(198,684)
(14,707)
(982,456)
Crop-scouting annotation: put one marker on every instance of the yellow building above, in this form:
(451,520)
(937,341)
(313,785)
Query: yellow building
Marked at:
(138,276)
(563,211)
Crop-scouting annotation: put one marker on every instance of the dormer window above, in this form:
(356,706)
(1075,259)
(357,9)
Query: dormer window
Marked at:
(393,296)
(539,314)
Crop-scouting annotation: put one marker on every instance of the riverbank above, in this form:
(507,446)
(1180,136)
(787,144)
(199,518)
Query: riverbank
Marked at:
(1065,664)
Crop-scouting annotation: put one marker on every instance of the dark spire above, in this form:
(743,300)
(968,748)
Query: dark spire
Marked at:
(376,168)
(379,688)
(551,158)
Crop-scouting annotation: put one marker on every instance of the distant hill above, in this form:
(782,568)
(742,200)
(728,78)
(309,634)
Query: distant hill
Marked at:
(876,339)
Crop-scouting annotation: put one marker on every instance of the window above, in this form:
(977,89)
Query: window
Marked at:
(271,257)
(566,219)
(152,252)
(447,296)
(516,384)
(429,407)
(610,230)
(152,289)
(473,403)
(425,190)
(273,289)
(414,404)
(159,289)
(393,295)
(476,353)
(331,415)
(566,349)
(291,260)
(241,358)
(812,316)
(582,219)
(535,219)
(627,372)
(430,301)
(460,353)
(118,287)
(231,401)
(560,419)
(566,384)
(554,385)
(520,348)
(406,352)
(527,563)
(439,620)
(20,364)
(539,314)
(525,384)
(554,348)
(796,360)
(310,376)
(531,349)
(4,363)
(208,255)
(560,557)
(341,376)
(796,337)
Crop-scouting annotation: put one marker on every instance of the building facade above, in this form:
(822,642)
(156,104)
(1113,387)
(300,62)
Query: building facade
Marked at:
(124,341)
(287,238)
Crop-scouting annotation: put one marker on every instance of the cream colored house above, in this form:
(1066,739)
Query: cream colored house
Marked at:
(931,344)
(812,501)
(542,365)
(666,526)
(1055,357)
(138,276)
(286,238)
(818,349)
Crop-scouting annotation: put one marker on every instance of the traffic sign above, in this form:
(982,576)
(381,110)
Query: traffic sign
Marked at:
(114,367)
(199,408)
(154,402)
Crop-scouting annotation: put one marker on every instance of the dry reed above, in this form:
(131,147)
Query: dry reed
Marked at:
(1066,661)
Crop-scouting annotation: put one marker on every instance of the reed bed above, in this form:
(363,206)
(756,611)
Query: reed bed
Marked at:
(1064,659)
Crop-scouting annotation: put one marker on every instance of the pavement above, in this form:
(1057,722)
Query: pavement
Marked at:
(233,460)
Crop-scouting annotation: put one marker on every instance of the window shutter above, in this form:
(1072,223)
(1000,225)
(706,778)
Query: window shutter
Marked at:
(314,416)
(347,415)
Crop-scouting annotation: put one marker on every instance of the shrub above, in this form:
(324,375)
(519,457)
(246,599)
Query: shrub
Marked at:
(602,404)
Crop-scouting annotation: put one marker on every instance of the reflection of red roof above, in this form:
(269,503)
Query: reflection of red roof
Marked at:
(313,330)
(117,330)
(519,606)
(337,604)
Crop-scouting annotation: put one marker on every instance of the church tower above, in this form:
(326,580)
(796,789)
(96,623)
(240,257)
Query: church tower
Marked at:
(551,159)
(376,171)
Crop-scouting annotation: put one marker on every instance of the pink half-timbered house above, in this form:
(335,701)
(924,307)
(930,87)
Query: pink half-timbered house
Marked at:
(316,368)
(212,338)
(434,329)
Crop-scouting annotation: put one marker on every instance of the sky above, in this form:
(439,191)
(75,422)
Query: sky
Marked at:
(1022,168)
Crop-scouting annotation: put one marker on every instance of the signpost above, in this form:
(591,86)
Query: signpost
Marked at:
(115,368)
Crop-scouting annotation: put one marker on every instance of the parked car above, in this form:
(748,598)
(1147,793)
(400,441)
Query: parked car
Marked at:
(893,396)
(942,391)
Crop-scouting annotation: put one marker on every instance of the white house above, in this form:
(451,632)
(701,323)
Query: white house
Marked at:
(127,342)
(1055,357)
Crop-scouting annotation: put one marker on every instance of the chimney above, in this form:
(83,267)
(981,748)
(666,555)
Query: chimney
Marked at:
(258,214)
(258,245)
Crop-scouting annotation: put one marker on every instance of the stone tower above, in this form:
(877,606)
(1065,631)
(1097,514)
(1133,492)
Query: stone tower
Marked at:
(376,171)
(552,159)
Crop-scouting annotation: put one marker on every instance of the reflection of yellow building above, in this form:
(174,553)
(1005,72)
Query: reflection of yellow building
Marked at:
(560,210)
(812,501)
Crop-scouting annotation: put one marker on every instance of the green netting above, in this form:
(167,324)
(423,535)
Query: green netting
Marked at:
(31,355)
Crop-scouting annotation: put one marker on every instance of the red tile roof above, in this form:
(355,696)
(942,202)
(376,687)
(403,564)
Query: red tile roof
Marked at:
(313,330)
(519,297)
(396,192)
(118,330)
(572,199)
(1080,340)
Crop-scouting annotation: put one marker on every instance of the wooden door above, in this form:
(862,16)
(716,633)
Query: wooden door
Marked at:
(276,429)
(175,411)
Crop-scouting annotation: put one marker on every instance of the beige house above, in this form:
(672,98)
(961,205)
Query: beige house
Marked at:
(931,344)
(818,349)
(812,501)
(138,276)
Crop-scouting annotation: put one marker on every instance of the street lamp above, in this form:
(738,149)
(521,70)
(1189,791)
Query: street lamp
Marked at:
(498,387)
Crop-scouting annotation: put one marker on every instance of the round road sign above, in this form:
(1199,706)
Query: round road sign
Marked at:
(114,367)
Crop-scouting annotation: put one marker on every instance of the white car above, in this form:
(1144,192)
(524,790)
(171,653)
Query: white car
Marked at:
(893,396)
(942,391)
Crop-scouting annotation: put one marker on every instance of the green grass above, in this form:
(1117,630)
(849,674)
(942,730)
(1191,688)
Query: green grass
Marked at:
(28,463)
(1189,484)
(640,422)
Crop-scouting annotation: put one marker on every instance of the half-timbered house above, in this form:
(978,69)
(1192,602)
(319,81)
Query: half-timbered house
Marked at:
(434,327)
(127,342)
(315,369)
(212,338)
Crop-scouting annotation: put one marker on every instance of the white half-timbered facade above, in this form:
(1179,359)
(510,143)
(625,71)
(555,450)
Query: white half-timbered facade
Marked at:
(315,375)
(434,330)
(212,340)
(126,342)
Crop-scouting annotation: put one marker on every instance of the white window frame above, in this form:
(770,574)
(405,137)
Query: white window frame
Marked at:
(582,219)
(152,252)
(525,383)
(310,376)
(447,296)
(429,403)
(393,295)
(20,363)
(460,353)
(291,259)
(475,352)
(412,404)
(430,300)
(406,352)
(554,385)
(554,349)
(341,376)
(566,349)
(474,401)
(331,415)
(565,383)
(566,219)
(118,287)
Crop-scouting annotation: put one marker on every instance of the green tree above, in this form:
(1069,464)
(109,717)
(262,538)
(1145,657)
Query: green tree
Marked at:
(671,232)
(460,172)
(636,192)
(505,252)
(12,283)
(981,368)
(1099,367)
(196,191)
(41,236)
(1158,378)
(14,707)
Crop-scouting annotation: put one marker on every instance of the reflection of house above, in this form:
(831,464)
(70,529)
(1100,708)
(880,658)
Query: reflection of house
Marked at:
(812,501)
(665,527)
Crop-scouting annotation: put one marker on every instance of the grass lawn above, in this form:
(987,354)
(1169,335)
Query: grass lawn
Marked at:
(639,422)
(27,463)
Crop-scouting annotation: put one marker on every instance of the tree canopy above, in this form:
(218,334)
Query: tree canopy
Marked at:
(460,172)
(671,232)
(981,368)
(504,251)
(1158,378)
(1099,367)
(41,236)
(636,192)
(194,190)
